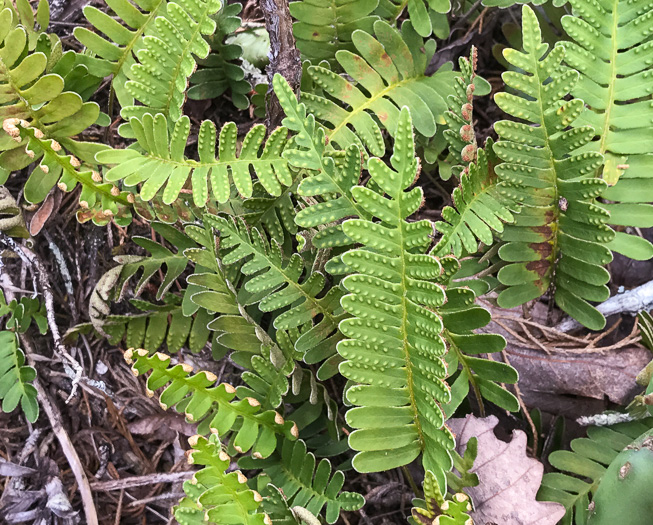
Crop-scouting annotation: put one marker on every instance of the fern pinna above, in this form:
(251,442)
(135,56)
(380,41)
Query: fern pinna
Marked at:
(558,240)
(394,348)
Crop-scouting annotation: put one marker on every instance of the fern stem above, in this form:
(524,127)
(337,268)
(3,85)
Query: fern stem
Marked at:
(468,371)
(411,482)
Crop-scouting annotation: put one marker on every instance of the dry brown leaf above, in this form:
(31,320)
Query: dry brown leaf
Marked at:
(45,211)
(508,479)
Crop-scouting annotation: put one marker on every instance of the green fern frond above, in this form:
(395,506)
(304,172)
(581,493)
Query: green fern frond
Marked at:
(461,316)
(388,72)
(480,209)
(202,400)
(558,241)
(418,12)
(395,347)
(159,77)
(15,378)
(29,93)
(114,54)
(155,325)
(277,283)
(55,167)
(323,28)
(163,160)
(175,263)
(294,471)
(324,177)
(22,312)
(276,215)
(586,464)
(214,496)
(220,71)
(436,509)
(612,52)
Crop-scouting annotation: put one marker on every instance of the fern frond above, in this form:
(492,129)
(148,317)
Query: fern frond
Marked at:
(15,378)
(435,509)
(214,496)
(276,215)
(114,54)
(202,400)
(390,70)
(323,28)
(324,178)
(586,464)
(55,167)
(558,241)
(159,78)
(293,470)
(277,283)
(615,82)
(395,347)
(220,71)
(29,93)
(418,12)
(155,325)
(461,316)
(480,209)
(175,263)
(163,160)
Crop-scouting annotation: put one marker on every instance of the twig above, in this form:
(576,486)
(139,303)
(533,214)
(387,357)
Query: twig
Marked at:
(54,416)
(284,56)
(139,481)
(33,261)
(630,302)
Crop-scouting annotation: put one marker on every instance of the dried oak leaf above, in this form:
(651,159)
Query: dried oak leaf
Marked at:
(508,479)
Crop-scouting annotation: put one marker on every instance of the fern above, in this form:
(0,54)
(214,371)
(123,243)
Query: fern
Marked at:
(586,463)
(395,346)
(114,54)
(220,71)
(611,52)
(461,316)
(163,160)
(22,312)
(215,496)
(391,72)
(480,209)
(16,378)
(202,400)
(436,509)
(277,284)
(558,241)
(418,12)
(293,470)
(276,215)
(325,177)
(153,325)
(66,172)
(323,28)
(30,94)
(158,79)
